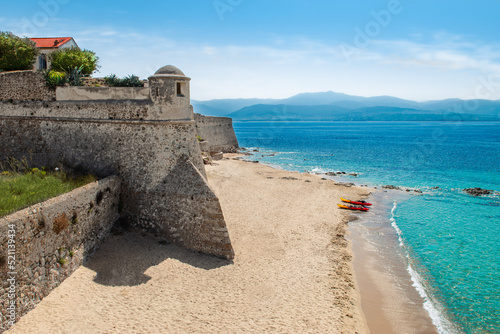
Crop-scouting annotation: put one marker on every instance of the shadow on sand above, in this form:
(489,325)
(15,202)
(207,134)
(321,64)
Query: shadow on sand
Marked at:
(123,259)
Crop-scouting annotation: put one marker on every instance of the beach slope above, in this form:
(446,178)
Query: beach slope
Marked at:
(292,271)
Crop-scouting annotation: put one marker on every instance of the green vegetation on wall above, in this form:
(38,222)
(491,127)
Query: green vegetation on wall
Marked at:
(16,53)
(21,186)
(66,60)
(130,81)
(55,78)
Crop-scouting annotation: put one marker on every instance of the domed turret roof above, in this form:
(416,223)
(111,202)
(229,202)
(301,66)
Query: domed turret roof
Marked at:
(170,70)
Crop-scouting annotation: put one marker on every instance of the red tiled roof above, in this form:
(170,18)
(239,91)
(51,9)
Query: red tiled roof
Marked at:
(52,42)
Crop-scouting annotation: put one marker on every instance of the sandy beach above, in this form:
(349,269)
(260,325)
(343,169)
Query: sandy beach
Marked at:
(292,271)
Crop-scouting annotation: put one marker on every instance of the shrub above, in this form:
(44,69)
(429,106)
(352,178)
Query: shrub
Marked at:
(75,76)
(130,81)
(55,78)
(111,80)
(66,60)
(16,53)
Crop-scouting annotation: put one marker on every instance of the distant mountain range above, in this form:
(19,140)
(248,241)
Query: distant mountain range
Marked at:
(342,107)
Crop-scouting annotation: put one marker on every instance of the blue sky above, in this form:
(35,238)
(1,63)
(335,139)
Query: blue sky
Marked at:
(413,49)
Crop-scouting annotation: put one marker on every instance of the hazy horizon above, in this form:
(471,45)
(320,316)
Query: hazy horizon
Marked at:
(385,95)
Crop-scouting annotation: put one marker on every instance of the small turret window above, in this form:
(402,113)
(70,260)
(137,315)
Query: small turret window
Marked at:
(179,89)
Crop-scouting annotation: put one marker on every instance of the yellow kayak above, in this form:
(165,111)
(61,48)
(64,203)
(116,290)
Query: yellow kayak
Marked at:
(354,202)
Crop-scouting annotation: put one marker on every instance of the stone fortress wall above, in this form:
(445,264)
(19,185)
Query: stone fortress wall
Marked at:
(24,86)
(51,240)
(217,132)
(150,143)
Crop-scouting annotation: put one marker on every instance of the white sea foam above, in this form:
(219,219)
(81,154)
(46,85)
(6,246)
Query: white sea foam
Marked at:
(442,325)
(319,170)
(396,227)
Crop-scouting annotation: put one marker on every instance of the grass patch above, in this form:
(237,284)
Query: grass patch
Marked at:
(20,190)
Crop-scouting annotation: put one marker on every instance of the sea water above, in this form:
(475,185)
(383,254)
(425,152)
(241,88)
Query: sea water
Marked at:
(451,240)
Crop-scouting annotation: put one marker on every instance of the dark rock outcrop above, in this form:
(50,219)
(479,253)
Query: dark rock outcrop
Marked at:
(478,191)
(389,186)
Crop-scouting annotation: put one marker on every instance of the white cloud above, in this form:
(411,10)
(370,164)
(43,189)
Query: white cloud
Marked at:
(444,54)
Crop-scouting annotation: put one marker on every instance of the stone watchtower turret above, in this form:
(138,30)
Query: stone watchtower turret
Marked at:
(169,89)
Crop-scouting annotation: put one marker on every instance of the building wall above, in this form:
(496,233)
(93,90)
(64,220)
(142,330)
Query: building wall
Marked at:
(24,86)
(218,133)
(47,51)
(52,239)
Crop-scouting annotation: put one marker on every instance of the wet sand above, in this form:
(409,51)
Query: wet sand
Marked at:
(390,302)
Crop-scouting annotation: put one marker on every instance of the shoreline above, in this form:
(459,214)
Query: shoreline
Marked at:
(371,269)
(389,299)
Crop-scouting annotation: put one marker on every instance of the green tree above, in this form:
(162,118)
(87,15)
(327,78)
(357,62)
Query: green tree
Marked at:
(66,60)
(16,53)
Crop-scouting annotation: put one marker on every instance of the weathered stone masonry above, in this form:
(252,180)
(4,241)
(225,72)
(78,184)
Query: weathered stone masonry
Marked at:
(25,86)
(217,132)
(52,239)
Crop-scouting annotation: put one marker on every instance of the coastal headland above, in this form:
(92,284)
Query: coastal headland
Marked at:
(292,271)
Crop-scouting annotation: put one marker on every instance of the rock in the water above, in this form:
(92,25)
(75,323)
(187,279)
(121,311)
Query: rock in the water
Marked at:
(478,191)
(389,186)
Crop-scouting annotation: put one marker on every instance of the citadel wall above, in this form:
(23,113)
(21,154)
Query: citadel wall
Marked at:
(51,240)
(101,93)
(218,133)
(24,86)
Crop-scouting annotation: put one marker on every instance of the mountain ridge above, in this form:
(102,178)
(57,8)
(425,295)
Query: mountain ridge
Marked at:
(337,106)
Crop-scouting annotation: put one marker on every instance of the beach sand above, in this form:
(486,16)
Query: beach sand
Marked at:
(292,271)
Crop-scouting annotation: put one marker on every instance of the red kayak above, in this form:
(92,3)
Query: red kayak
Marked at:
(354,202)
(352,207)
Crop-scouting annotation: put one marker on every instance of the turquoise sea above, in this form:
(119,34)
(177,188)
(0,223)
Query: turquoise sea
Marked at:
(451,240)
